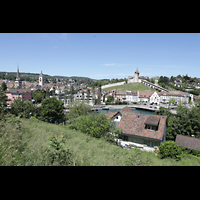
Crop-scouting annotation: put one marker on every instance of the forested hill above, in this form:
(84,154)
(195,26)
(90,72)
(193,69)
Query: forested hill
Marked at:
(34,76)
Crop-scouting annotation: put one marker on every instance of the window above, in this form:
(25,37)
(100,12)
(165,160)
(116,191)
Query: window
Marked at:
(151,127)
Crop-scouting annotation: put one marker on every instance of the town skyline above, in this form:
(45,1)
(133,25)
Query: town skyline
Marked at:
(101,55)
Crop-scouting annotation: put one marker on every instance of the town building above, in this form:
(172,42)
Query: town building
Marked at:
(18,82)
(140,130)
(134,79)
(137,79)
(132,96)
(18,93)
(177,95)
(41,79)
(188,142)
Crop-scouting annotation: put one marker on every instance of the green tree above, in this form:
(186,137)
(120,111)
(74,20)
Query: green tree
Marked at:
(172,101)
(93,124)
(110,99)
(71,97)
(60,95)
(78,108)
(4,86)
(88,95)
(38,96)
(93,94)
(22,108)
(99,94)
(170,149)
(51,110)
(3,104)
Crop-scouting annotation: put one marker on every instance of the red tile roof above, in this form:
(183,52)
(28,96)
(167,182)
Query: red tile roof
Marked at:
(110,114)
(134,124)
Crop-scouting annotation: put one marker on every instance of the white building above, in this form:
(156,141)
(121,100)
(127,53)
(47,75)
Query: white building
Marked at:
(132,96)
(177,95)
(134,79)
(41,79)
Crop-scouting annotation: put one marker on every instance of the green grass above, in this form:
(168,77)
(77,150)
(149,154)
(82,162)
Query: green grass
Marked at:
(131,86)
(87,151)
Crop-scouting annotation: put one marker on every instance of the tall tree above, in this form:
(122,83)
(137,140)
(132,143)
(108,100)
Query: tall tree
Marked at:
(4,86)
(51,110)
(88,95)
(71,94)
(99,94)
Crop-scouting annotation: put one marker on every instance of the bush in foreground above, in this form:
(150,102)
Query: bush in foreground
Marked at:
(170,149)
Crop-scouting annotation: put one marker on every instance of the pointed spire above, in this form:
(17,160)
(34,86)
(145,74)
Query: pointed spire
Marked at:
(137,71)
(17,71)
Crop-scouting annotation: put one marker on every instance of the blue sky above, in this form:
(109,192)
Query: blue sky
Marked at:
(101,55)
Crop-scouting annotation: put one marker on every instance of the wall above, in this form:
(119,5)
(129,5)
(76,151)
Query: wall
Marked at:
(143,141)
(113,84)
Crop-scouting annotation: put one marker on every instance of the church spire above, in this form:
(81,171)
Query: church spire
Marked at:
(18,77)
(17,71)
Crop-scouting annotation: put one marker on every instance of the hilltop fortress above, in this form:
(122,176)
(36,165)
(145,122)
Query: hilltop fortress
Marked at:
(137,79)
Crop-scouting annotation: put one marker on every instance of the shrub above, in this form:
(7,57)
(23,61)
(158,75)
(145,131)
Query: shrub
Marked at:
(93,124)
(57,154)
(170,149)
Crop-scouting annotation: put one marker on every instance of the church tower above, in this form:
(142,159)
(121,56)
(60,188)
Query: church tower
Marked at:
(137,76)
(41,79)
(18,82)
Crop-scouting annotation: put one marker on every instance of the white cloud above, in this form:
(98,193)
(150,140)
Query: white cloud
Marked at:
(111,64)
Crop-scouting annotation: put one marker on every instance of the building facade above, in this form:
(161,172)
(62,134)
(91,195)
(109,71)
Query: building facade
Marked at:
(18,93)
(134,79)
(41,79)
(140,130)
(177,95)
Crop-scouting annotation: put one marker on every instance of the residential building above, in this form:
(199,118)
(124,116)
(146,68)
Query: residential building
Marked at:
(177,95)
(140,130)
(197,98)
(188,142)
(132,96)
(18,93)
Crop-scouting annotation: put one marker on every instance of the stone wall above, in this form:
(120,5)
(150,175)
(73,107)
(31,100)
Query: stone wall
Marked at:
(113,84)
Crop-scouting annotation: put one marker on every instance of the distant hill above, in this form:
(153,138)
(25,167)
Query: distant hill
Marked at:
(131,86)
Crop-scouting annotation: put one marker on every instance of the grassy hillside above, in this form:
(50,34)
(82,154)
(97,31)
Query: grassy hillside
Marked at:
(87,151)
(131,86)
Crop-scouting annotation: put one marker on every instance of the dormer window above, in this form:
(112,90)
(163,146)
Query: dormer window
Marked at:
(152,123)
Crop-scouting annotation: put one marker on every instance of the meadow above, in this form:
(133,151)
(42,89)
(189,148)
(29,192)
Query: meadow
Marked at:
(130,87)
(31,137)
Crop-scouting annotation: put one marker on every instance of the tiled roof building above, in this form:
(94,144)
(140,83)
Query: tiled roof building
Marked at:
(188,142)
(140,128)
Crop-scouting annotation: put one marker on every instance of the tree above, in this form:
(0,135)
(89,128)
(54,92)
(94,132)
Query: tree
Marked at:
(99,94)
(51,110)
(170,149)
(71,97)
(88,95)
(110,99)
(172,101)
(3,100)
(4,86)
(22,108)
(93,94)
(38,96)
(78,108)
(164,80)
(60,95)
